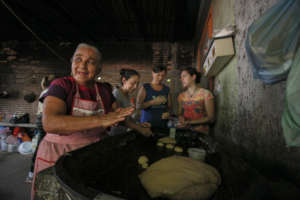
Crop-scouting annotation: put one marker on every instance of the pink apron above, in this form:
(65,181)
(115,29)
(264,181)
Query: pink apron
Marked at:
(54,145)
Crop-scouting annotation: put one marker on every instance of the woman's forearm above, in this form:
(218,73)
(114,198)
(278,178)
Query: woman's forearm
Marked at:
(64,124)
(203,120)
(131,124)
(145,105)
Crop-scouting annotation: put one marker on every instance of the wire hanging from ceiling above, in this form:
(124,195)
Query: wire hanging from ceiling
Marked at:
(33,33)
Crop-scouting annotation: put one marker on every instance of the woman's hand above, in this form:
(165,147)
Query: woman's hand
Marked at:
(145,131)
(113,118)
(182,122)
(165,115)
(146,125)
(159,100)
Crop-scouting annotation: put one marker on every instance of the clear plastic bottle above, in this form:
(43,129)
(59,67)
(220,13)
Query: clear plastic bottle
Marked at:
(172,133)
(172,127)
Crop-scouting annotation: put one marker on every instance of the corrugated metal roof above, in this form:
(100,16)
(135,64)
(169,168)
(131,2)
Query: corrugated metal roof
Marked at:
(95,20)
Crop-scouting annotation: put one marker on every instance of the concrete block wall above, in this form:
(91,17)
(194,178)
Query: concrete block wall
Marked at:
(260,105)
(24,64)
(248,111)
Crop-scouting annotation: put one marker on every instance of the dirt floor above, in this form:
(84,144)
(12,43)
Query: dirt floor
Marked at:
(13,171)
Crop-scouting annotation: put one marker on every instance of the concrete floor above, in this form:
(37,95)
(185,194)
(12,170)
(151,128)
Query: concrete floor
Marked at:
(14,168)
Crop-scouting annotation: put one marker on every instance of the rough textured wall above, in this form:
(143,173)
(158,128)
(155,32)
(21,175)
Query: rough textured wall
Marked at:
(226,100)
(226,82)
(223,13)
(23,64)
(249,112)
(261,105)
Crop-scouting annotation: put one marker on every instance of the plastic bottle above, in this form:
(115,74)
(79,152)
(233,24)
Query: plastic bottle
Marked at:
(171,125)
(19,136)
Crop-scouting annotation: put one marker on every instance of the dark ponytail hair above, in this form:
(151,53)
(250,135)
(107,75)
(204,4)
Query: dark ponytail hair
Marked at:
(192,71)
(127,73)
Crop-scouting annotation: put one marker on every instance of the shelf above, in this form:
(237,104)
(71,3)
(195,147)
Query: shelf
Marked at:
(27,125)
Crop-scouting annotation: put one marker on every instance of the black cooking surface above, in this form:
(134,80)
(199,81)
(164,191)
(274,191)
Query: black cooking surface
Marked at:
(110,165)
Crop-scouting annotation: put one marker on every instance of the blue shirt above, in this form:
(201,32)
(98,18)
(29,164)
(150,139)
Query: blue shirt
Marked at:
(153,113)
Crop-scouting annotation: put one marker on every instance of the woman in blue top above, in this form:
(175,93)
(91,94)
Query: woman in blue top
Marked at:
(154,99)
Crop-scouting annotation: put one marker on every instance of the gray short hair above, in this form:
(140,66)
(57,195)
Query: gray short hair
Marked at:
(99,54)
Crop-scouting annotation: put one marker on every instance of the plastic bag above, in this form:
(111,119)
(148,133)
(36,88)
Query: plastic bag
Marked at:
(272,41)
(291,114)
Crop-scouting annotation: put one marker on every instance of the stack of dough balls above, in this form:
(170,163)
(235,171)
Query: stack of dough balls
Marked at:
(180,178)
(169,143)
(167,140)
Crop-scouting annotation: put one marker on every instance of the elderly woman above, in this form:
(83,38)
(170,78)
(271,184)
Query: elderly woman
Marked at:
(154,99)
(196,105)
(77,110)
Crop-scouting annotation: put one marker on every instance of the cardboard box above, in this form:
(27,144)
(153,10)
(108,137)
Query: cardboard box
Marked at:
(220,53)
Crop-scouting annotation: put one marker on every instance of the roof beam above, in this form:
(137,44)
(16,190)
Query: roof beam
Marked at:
(66,14)
(200,23)
(99,9)
(179,13)
(139,18)
(36,19)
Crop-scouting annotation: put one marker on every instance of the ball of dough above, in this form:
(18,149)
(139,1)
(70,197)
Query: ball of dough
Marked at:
(178,149)
(169,146)
(145,165)
(160,144)
(143,159)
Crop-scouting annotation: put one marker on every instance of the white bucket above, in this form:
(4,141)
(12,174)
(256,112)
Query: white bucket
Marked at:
(3,136)
(25,148)
(197,154)
(3,145)
(12,147)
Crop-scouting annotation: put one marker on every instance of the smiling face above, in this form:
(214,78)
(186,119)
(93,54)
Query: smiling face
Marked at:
(85,65)
(158,77)
(131,84)
(187,79)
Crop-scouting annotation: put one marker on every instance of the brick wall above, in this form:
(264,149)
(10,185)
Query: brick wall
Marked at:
(24,64)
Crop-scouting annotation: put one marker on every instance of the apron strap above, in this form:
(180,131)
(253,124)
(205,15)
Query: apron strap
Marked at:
(98,97)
